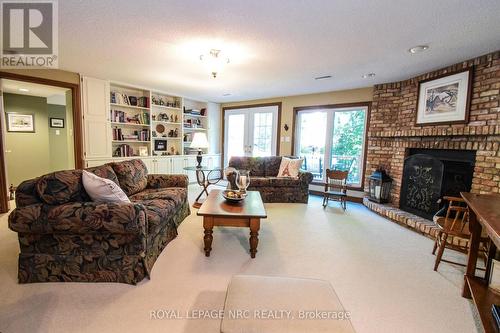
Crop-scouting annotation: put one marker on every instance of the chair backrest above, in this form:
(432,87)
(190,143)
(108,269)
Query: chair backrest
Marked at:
(456,219)
(336,179)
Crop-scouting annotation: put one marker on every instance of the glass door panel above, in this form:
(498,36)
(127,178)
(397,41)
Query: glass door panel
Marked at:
(263,134)
(347,143)
(311,143)
(250,132)
(235,135)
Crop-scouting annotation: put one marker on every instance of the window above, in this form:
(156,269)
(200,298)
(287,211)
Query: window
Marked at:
(332,138)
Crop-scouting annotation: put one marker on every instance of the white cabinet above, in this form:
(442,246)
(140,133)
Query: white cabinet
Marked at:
(149,164)
(178,165)
(211,161)
(97,132)
(164,165)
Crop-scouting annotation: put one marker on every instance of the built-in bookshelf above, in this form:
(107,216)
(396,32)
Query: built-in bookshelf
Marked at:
(166,115)
(152,123)
(130,121)
(194,120)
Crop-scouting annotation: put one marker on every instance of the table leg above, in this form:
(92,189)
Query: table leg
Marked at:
(208,225)
(474,240)
(254,236)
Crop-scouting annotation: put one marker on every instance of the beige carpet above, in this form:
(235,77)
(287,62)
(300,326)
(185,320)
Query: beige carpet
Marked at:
(381,272)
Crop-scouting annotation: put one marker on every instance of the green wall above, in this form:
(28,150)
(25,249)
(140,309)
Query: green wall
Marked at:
(30,155)
(58,139)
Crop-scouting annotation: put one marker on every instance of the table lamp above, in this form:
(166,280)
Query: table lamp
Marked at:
(199,141)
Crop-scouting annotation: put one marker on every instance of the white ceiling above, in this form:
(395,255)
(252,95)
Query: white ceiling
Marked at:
(54,95)
(277,47)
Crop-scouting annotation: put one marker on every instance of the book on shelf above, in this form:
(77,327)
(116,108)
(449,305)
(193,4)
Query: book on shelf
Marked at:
(124,99)
(123,151)
(117,134)
(119,98)
(143,102)
(194,112)
(118,116)
(141,135)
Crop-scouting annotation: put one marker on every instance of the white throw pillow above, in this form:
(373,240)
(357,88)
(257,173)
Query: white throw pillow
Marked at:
(290,167)
(103,190)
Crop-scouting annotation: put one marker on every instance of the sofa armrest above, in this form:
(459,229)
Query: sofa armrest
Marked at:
(306,178)
(164,181)
(80,218)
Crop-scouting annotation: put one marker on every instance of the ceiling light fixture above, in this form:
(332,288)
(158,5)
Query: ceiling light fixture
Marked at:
(368,76)
(323,77)
(418,49)
(215,61)
(24,89)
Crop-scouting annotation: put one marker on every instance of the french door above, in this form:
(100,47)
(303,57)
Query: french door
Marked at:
(250,132)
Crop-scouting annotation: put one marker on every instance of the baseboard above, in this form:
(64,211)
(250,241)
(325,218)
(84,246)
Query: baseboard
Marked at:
(349,198)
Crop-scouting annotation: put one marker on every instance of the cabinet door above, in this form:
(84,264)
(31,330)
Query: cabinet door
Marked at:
(191,161)
(97,130)
(149,164)
(208,161)
(164,165)
(178,165)
(216,160)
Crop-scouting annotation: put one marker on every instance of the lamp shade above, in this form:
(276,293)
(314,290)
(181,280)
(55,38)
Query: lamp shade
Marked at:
(199,141)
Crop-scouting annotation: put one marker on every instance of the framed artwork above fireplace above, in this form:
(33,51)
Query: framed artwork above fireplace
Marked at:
(445,99)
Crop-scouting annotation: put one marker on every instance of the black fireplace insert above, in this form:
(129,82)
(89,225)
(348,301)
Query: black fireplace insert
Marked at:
(430,174)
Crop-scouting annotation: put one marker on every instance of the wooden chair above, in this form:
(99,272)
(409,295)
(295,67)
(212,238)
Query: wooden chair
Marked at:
(455,223)
(336,187)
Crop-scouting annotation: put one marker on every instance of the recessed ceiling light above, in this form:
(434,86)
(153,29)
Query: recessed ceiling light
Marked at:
(24,89)
(418,49)
(368,76)
(323,77)
(227,94)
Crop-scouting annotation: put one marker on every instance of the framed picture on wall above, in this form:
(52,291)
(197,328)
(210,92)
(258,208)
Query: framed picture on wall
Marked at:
(444,100)
(57,122)
(22,123)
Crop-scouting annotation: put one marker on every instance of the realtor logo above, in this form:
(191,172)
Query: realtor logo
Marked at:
(29,34)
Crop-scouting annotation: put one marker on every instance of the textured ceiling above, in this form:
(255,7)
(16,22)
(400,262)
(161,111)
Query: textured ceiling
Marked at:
(277,47)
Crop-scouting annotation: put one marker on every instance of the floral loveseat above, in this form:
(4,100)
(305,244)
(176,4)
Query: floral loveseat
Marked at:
(64,236)
(263,178)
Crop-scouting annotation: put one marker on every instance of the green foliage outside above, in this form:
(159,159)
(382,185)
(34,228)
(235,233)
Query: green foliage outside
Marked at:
(348,142)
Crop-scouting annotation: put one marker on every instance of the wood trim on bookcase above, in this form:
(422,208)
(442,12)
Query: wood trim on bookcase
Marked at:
(368,106)
(77,129)
(278,104)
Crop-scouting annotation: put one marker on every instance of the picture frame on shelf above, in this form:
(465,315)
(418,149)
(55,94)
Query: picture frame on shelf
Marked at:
(132,100)
(444,99)
(143,151)
(20,122)
(161,145)
(57,122)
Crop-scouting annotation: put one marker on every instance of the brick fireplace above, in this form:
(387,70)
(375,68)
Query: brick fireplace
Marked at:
(392,132)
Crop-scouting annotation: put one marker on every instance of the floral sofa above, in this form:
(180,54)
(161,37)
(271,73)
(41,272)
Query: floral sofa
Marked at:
(64,236)
(263,178)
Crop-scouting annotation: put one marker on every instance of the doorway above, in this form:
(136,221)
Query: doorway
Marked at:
(251,131)
(39,130)
(64,130)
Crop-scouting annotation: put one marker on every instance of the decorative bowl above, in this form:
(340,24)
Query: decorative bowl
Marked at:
(233,196)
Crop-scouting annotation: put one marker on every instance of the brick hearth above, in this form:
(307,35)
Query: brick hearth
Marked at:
(392,131)
(408,220)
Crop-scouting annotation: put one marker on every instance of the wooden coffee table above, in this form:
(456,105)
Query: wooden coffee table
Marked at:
(216,211)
